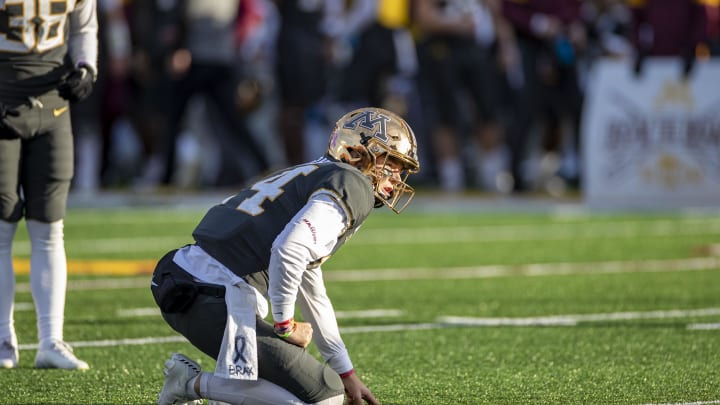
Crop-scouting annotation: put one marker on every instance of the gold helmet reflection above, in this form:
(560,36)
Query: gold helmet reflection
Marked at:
(362,135)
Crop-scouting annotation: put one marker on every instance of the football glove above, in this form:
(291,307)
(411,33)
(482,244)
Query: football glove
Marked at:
(7,130)
(77,85)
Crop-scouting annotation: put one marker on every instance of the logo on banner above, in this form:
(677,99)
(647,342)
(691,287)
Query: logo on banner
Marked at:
(668,147)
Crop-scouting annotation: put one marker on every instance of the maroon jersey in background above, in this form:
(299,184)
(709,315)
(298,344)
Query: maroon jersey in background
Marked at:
(520,13)
(667,27)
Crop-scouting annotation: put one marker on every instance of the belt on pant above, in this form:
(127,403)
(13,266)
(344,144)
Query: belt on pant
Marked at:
(213,290)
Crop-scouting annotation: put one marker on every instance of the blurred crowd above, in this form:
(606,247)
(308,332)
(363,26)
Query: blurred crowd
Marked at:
(200,94)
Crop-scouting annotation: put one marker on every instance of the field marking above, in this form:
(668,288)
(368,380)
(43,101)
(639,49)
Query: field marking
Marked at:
(113,283)
(717,401)
(581,217)
(369,313)
(442,322)
(544,232)
(113,245)
(704,326)
(178,338)
(488,271)
(393,328)
(138,312)
(447,321)
(574,319)
(538,269)
(97,267)
(434,235)
(115,342)
(23,306)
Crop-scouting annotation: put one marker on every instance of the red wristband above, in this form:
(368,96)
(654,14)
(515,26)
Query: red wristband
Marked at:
(347,373)
(286,328)
(284,324)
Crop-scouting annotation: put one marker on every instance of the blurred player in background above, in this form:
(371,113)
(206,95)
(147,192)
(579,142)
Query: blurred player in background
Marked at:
(202,61)
(547,100)
(454,44)
(95,119)
(48,59)
(270,240)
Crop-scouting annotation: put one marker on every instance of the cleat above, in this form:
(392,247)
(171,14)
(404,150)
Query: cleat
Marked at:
(178,371)
(58,355)
(8,353)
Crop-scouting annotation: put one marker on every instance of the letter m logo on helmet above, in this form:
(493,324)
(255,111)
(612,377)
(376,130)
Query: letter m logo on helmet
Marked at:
(370,119)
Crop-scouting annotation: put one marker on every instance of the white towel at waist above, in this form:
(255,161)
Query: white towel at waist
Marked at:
(238,354)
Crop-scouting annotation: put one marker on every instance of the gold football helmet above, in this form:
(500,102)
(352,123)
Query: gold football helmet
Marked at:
(363,135)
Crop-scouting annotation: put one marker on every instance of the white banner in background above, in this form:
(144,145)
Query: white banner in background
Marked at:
(654,140)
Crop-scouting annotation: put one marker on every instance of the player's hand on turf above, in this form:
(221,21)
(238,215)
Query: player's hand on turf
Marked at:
(78,84)
(356,391)
(7,130)
(302,335)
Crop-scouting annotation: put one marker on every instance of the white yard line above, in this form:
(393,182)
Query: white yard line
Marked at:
(539,269)
(23,306)
(172,216)
(110,283)
(442,323)
(391,328)
(112,245)
(704,326)
(717,401)
(138,312)
(544,232)
(574,319)
(437,235)
(115,342)
(370,313)
(489,271)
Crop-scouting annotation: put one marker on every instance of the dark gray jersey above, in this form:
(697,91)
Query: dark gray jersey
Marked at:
(38,38)
(239,232)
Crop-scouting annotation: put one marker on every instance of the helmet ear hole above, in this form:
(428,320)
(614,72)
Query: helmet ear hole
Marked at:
(359,157)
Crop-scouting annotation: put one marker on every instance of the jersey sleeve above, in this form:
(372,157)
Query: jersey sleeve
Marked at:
(354,192)
(83,37)
(308,238)
(318,310)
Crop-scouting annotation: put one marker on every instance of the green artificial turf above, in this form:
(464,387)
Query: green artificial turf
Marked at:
(653,355)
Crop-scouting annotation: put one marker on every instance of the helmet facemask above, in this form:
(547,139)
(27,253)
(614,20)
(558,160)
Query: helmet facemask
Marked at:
(379,170)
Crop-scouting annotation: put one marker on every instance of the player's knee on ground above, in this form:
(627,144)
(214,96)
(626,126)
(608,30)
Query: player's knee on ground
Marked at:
(295,369)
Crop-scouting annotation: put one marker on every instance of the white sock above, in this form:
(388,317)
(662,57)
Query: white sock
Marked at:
(7,279)
(190,386)
(48,278)
(338,400)
(260,392)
